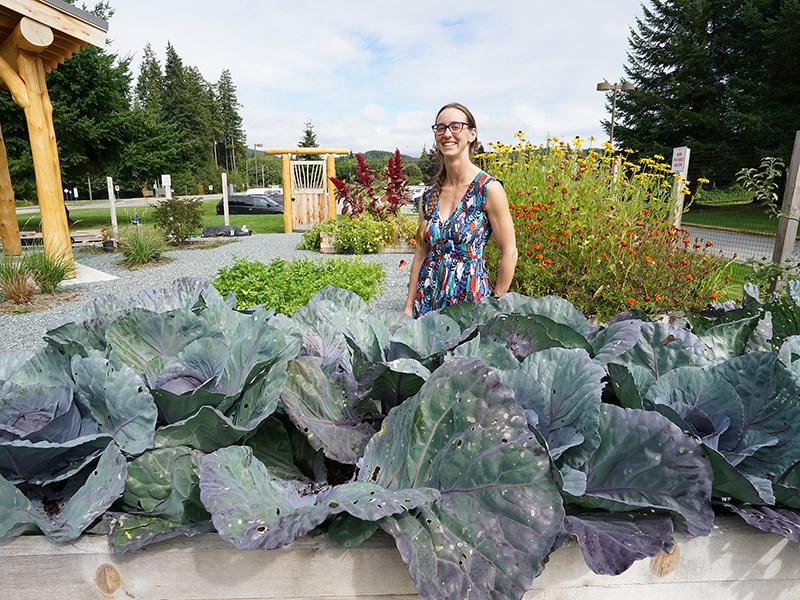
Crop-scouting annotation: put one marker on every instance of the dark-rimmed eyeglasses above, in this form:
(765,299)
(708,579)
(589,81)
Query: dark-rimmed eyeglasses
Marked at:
(454,127)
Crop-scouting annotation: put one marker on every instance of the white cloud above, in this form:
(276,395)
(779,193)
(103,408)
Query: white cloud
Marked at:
(372,75)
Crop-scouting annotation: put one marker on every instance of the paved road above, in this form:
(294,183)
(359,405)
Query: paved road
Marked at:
(127,202)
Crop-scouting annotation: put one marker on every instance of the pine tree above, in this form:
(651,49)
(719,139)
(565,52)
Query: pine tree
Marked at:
(150,83)
(309,141)
(228,130)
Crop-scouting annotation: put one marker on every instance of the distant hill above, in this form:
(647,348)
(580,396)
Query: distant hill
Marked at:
(384,155)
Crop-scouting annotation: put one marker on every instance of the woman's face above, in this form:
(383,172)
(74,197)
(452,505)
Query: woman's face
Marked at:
(452,144)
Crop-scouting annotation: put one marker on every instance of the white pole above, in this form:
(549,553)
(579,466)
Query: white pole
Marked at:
(113,202)
(89,179)
(225,198)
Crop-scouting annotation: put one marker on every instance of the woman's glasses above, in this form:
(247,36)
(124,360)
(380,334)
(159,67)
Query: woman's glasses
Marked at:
(454,127)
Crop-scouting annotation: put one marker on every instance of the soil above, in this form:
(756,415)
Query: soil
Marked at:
(39,302)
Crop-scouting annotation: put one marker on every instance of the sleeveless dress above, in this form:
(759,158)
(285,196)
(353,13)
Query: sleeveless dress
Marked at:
(454,270)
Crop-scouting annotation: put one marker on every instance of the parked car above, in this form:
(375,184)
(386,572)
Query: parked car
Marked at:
(240,204)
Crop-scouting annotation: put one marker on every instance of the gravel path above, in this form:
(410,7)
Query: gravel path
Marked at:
(25,331)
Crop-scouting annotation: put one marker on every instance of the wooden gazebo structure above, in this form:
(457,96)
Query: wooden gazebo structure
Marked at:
(35,37)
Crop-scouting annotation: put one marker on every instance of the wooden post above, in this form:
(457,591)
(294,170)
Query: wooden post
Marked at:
(39,115)
(790,212)
(288,217)
(9,227)
(112,202)
(330,167)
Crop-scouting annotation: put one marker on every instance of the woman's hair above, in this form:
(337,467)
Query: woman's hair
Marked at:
(441,173)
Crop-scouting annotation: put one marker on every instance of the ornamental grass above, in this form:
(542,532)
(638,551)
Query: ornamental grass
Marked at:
(597,229)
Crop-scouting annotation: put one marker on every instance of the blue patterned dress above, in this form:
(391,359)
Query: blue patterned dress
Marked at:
(454,270)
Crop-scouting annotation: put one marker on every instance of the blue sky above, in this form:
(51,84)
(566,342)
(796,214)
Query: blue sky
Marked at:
(371,75)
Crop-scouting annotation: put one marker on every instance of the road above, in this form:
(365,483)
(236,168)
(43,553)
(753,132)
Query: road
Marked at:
(128,202)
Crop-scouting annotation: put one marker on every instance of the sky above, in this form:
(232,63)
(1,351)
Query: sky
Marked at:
(371,75)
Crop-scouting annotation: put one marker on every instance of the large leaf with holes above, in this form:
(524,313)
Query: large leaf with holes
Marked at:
(646,462)
(770,393)
(323,411)
(465,435)
(253,509)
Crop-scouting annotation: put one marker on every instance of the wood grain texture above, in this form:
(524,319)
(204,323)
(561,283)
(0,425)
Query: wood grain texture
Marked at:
(735,562)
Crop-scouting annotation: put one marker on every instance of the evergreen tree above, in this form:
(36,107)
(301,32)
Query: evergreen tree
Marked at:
(228,131)
(149,85)
(309,141)
(705,74)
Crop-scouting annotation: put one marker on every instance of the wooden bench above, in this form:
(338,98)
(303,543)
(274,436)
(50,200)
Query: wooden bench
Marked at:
(76,237)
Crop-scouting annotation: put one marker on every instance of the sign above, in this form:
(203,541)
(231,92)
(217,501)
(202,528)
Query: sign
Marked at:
(116,187)
(166,181)
(680,160)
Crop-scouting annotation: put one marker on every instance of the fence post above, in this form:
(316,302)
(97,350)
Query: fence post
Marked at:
(680,169)
(790,212)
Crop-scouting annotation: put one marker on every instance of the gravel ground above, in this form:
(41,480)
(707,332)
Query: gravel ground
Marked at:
(25,331)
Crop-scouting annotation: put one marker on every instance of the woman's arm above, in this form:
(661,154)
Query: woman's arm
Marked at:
(503,231)
(416,264)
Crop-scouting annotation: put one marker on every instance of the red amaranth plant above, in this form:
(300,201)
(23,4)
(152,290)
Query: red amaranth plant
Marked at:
(381,196)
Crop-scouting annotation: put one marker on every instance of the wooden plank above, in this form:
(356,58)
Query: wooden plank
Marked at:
(86,235)
(276,151)
(736,562)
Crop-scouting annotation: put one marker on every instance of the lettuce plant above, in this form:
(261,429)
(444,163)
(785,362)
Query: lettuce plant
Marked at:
(480,438)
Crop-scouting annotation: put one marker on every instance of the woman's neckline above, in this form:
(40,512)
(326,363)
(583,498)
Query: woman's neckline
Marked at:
(460,201)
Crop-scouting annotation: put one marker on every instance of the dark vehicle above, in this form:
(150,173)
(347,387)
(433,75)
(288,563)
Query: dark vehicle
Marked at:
(240,204)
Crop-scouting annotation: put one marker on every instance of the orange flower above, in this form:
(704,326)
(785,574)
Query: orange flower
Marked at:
(632,301)
(647,298)
(649,259)
(624,244)
(714,296)
(401,264)
(709,244)
(690,277)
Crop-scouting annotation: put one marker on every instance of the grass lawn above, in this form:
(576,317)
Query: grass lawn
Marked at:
(743,217)
(97,218)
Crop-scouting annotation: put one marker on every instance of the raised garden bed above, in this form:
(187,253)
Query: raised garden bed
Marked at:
(735,562)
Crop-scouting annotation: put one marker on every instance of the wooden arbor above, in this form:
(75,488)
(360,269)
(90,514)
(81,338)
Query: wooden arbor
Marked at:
(35,37)
(289,220)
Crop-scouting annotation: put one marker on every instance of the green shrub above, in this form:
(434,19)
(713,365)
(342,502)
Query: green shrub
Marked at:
(141,247)
(16,280)
(362,234)
(48,271)
(288,285)
(179,219)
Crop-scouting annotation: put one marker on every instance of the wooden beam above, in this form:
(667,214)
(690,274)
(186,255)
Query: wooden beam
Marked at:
(9,226)
(315,151)
(83,29)
(14,83)
(39,116)
(27,35)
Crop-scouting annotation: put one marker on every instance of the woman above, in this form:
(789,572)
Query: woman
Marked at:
(456,217)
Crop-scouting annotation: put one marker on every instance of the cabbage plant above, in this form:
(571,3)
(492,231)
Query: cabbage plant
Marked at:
(480,438)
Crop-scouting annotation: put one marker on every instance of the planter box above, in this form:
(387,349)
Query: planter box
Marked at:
(735,562)
(327,245)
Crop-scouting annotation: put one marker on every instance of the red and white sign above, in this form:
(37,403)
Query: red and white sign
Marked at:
(680,160)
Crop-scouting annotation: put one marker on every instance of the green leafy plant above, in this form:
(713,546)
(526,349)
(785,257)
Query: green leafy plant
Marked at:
(16,279)
(288,285)
(762,182)
(179,219)
(362,233)
(596,229)
(310,240)
(48,271)
(171,413)
(141,247)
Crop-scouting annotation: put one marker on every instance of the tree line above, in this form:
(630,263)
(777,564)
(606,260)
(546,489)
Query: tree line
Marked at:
(719,76)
